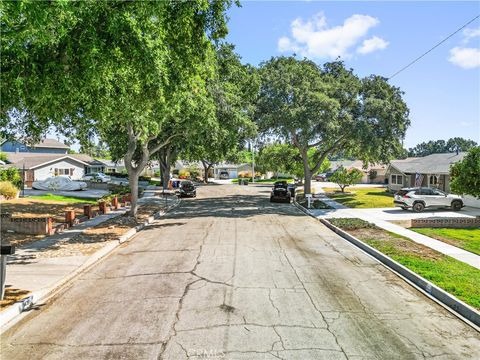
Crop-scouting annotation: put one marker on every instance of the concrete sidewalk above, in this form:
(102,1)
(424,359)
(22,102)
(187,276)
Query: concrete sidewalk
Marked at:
(341,211)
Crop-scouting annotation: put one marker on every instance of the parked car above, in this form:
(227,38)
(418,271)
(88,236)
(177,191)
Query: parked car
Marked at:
(224,175)
(187,188)
(420,198)
(280,192)
(59,183)
(323,176)
(97,177)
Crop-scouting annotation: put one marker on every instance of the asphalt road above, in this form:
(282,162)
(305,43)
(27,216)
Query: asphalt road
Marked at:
(230,276)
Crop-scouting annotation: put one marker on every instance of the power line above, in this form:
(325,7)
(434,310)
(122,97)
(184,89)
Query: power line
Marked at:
(437,45)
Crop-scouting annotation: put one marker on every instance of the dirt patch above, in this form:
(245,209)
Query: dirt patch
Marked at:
(402,244)
(93,239)
(26,207)
(12,295)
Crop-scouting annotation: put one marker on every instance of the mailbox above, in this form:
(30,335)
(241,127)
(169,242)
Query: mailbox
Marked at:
(7,250)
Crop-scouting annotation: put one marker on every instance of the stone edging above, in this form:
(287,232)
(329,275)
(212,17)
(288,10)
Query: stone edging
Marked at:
(11,315)
(462,310)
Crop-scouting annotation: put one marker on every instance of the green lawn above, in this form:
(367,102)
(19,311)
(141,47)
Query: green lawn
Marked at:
(65,199)
(467,239)
(455,277)
(361,197)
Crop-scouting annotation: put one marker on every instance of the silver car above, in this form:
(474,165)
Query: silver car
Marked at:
(418,199)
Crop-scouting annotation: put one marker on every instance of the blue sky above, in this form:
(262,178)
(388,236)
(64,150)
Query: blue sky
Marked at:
(442,90)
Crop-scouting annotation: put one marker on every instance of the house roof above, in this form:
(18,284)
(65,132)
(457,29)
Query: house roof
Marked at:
(358,164)
(51,143)
(34,160)
(430,164)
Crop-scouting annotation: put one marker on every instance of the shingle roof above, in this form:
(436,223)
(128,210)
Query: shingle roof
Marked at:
(51,143)
(431,164)
(32,160)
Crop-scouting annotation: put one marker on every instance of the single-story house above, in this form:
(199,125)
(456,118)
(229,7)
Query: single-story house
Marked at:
(372,174)
(232,169)
(49,146)
(41,166)
(428,171)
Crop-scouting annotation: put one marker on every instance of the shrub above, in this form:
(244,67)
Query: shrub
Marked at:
(3,156)
(144,178)
(351,223)
(245,174)
(183,174)
(8,190)
(12,175)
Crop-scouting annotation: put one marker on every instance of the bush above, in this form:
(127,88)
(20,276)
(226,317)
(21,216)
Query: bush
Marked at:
(12,175)
(184,174)
(351,223)
(8,190)
(144,178)
(3,156)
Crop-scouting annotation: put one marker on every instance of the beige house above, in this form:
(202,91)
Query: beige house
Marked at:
(428,171)
(372,174)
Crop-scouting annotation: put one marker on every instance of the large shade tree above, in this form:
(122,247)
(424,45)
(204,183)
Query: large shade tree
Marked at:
(330,109)
(233,90)
(116,69)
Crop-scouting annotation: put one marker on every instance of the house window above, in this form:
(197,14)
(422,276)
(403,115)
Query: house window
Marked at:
(433,180)
(397,179)
(63,171)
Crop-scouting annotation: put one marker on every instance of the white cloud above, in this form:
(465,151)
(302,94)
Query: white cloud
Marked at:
(470,33)
(372,44)
(313,38)
(467,58)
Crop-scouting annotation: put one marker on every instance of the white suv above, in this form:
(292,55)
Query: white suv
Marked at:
(418,199)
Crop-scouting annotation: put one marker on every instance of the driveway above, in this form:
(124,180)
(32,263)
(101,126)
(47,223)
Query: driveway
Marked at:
(230,276)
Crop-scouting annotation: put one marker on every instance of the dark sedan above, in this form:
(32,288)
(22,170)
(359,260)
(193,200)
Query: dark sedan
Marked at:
(187,189)
(280,192)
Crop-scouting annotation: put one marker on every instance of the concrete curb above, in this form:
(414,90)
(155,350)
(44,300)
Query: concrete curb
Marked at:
(9,316)
(462,310)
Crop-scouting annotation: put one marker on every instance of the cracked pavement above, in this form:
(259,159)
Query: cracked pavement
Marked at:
(230,276)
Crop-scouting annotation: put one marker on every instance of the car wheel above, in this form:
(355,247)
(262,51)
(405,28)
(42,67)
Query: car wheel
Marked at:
(418,207)
(271,199)
(456,205)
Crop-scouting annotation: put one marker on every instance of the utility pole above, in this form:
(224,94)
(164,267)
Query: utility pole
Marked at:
(253,163)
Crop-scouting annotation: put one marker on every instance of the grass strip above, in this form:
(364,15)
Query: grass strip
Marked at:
(453,276)
(466,239)
(64,199)
(362,198)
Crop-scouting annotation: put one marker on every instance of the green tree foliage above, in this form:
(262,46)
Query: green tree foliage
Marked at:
(343,177)
(331,110)
(441,146)
(232,90)
(465,174)
(119,70)
(285,158)
(13,175)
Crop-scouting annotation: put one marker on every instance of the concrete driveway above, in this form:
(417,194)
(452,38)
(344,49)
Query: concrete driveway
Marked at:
(230,276)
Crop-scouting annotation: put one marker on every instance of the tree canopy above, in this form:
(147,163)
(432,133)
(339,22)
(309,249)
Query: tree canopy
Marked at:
(441,146)
(465,174)
(330,109)
(122,70)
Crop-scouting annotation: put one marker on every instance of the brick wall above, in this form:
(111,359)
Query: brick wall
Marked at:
(458,222)
(22,225)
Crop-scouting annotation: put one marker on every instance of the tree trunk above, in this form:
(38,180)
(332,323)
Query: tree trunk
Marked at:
(307,186)
(205,172)
(133,181)
(165,159)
